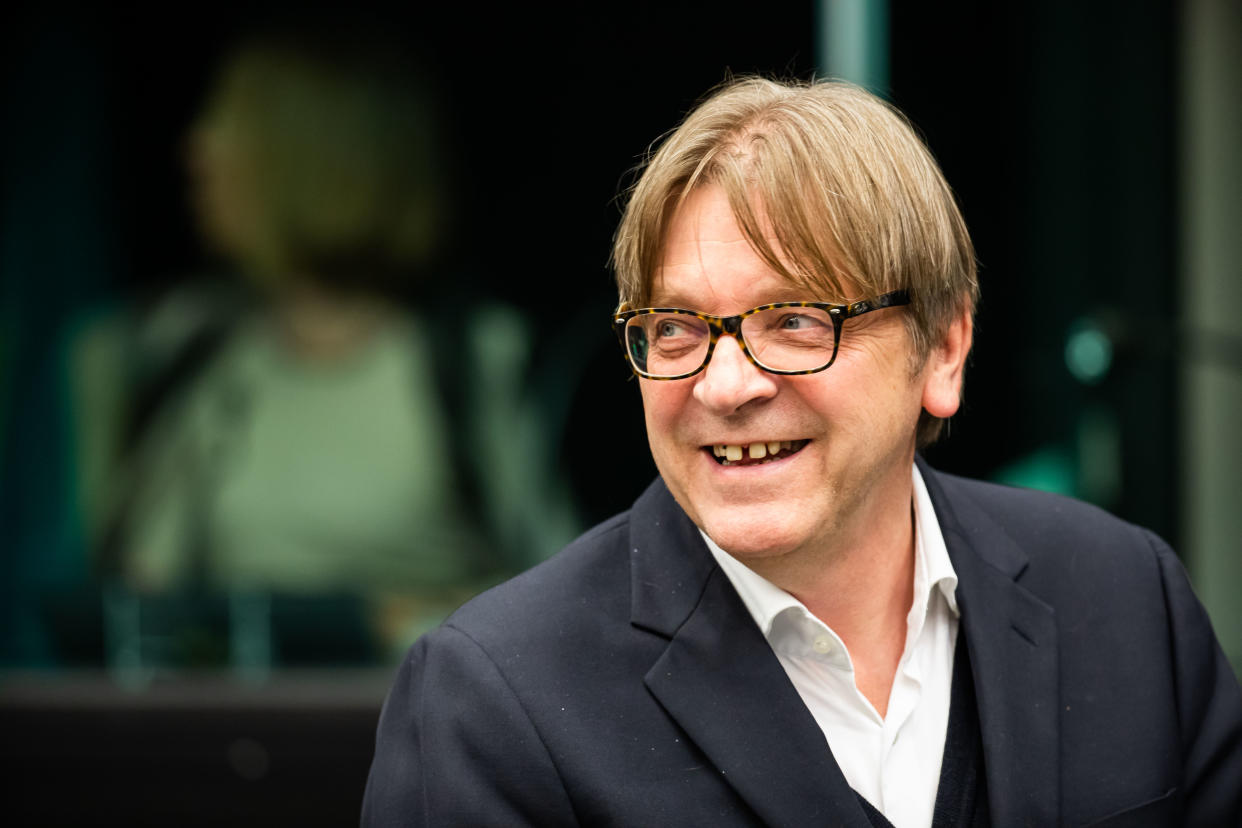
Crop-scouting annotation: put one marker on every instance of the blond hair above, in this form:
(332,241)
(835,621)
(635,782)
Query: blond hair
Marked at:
(854,199)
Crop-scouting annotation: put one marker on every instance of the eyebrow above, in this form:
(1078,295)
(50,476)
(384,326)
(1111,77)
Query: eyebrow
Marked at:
(675,300)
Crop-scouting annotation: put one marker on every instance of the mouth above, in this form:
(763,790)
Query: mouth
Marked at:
(754,454)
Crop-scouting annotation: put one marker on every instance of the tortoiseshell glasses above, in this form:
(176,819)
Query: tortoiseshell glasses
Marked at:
(781,338)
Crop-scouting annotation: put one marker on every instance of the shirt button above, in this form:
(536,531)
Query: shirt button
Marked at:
(822,644)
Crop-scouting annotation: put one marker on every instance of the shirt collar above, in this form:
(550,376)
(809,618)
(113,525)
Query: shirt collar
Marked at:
(931,554)
(933,571)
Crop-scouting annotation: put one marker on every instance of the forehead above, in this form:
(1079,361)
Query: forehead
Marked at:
(707,263)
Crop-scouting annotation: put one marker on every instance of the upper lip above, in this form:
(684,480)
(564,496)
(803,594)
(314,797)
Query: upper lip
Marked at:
(733,441)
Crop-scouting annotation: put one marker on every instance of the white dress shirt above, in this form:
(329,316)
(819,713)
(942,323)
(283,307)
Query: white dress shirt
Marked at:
(892,760)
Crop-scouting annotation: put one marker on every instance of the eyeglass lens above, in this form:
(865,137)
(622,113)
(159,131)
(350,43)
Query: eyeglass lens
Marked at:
(784,339)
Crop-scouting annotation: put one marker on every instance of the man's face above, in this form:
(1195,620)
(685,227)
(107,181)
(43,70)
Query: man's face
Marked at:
(850,428)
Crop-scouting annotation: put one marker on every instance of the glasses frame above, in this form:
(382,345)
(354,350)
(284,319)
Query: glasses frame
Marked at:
(718,325)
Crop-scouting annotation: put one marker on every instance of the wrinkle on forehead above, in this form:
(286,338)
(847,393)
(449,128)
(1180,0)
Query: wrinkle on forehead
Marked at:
(706,295)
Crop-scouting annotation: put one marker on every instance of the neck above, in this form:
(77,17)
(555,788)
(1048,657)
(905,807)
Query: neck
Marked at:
(322,326)
(862,584)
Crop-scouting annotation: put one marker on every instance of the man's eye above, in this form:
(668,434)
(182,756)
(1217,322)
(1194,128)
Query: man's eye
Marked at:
(670,328)
(798,322)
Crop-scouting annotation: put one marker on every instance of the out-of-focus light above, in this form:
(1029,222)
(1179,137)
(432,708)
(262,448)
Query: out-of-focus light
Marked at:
(1088,353)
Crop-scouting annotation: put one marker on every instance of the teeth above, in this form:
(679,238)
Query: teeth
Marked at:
(755,451)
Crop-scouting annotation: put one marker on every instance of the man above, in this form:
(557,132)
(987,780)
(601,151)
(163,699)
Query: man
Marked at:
(800,623)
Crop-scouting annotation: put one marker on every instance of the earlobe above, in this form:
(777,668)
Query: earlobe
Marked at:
(942,375)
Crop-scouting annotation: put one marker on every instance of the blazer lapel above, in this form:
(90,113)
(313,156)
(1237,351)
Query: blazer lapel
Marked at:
(1013,651)
(721,682)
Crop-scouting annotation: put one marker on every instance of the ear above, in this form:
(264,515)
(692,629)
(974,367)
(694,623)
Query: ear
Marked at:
(942,375)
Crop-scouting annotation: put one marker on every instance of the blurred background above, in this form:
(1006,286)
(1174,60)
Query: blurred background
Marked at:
(304,334)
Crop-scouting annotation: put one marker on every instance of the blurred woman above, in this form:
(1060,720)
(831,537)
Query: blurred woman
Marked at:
(299,441)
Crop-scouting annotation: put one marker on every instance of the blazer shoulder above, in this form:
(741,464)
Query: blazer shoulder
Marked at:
(589,576)
(1037,519)
(1057,547)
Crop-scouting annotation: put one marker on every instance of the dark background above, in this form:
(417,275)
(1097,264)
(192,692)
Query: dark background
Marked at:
(1053,120)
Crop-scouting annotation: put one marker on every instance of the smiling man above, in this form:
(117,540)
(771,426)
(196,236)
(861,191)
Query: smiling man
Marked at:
(799,622)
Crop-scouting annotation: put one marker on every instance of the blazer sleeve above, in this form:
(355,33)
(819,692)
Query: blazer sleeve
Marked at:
(1209,704)
(455,747)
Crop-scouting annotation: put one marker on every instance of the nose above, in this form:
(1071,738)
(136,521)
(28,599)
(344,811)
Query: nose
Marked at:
(730,380)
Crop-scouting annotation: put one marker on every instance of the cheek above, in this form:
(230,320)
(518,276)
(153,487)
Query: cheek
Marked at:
(663,406)
(657,401)
(867,402)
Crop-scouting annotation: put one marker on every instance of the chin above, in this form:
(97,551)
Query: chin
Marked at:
(763,531)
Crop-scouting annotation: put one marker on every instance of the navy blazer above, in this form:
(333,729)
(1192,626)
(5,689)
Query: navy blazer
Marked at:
(623,682)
